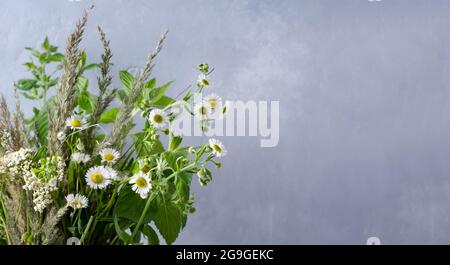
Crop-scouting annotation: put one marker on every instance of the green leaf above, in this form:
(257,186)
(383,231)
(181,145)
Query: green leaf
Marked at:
(26,84)
(127,81)
(130,206)
(163,102)
(90,66)
(146,148)
(175,141)
(121,94)
(156,94)
(33,52)
(151,235)
(169,221)
(82,83)
(109,116)
(41,123)
(85,99)
(150,84)
(46,44)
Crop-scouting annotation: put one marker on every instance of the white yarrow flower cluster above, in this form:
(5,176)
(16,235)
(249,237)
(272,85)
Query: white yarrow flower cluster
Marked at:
(19,165)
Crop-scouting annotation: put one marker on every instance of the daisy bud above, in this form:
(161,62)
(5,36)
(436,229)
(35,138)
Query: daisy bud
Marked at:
(201,173)
(191,150)
(61,136)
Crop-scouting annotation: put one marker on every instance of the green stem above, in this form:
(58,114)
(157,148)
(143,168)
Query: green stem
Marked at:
(86,230)
(141,219)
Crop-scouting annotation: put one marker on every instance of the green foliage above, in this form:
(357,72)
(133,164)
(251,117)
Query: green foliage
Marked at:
(109,116)
(41,81)
(115,214)
(168,220)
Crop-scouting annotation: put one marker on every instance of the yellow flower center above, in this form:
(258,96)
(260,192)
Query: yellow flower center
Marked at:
(141,182)
(76,123)
(158,118)
(76,203)
(97,178)
(108,157)
(212,102)
(217,148)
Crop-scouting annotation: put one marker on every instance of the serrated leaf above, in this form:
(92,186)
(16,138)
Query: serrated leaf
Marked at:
(169,221)
(127,80)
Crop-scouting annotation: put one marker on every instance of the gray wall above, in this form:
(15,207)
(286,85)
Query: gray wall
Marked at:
(363,91)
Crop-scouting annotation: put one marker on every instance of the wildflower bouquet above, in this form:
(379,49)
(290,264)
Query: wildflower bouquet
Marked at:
(65,177)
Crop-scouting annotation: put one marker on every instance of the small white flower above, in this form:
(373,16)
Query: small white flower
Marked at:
(112,173)
(76,122)
(158,118)
(161,165)
(79,157)
(202,110)
(77,201)
(109,155)
(203,80)
(215,105)
(98,177)
(61,136)
(217,147)
(141,184)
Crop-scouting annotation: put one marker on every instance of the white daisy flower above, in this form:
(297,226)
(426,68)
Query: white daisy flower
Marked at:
(161,165)
(202,110)
(141,184)
(109,155)
(112,173)
(77,201)
(217,147)
(158,118)
(76,122)
(215,104)
(61,136)
(203,80)
(98,177)
(79,157)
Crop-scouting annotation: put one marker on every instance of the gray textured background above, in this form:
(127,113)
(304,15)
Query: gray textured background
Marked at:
(363,90)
